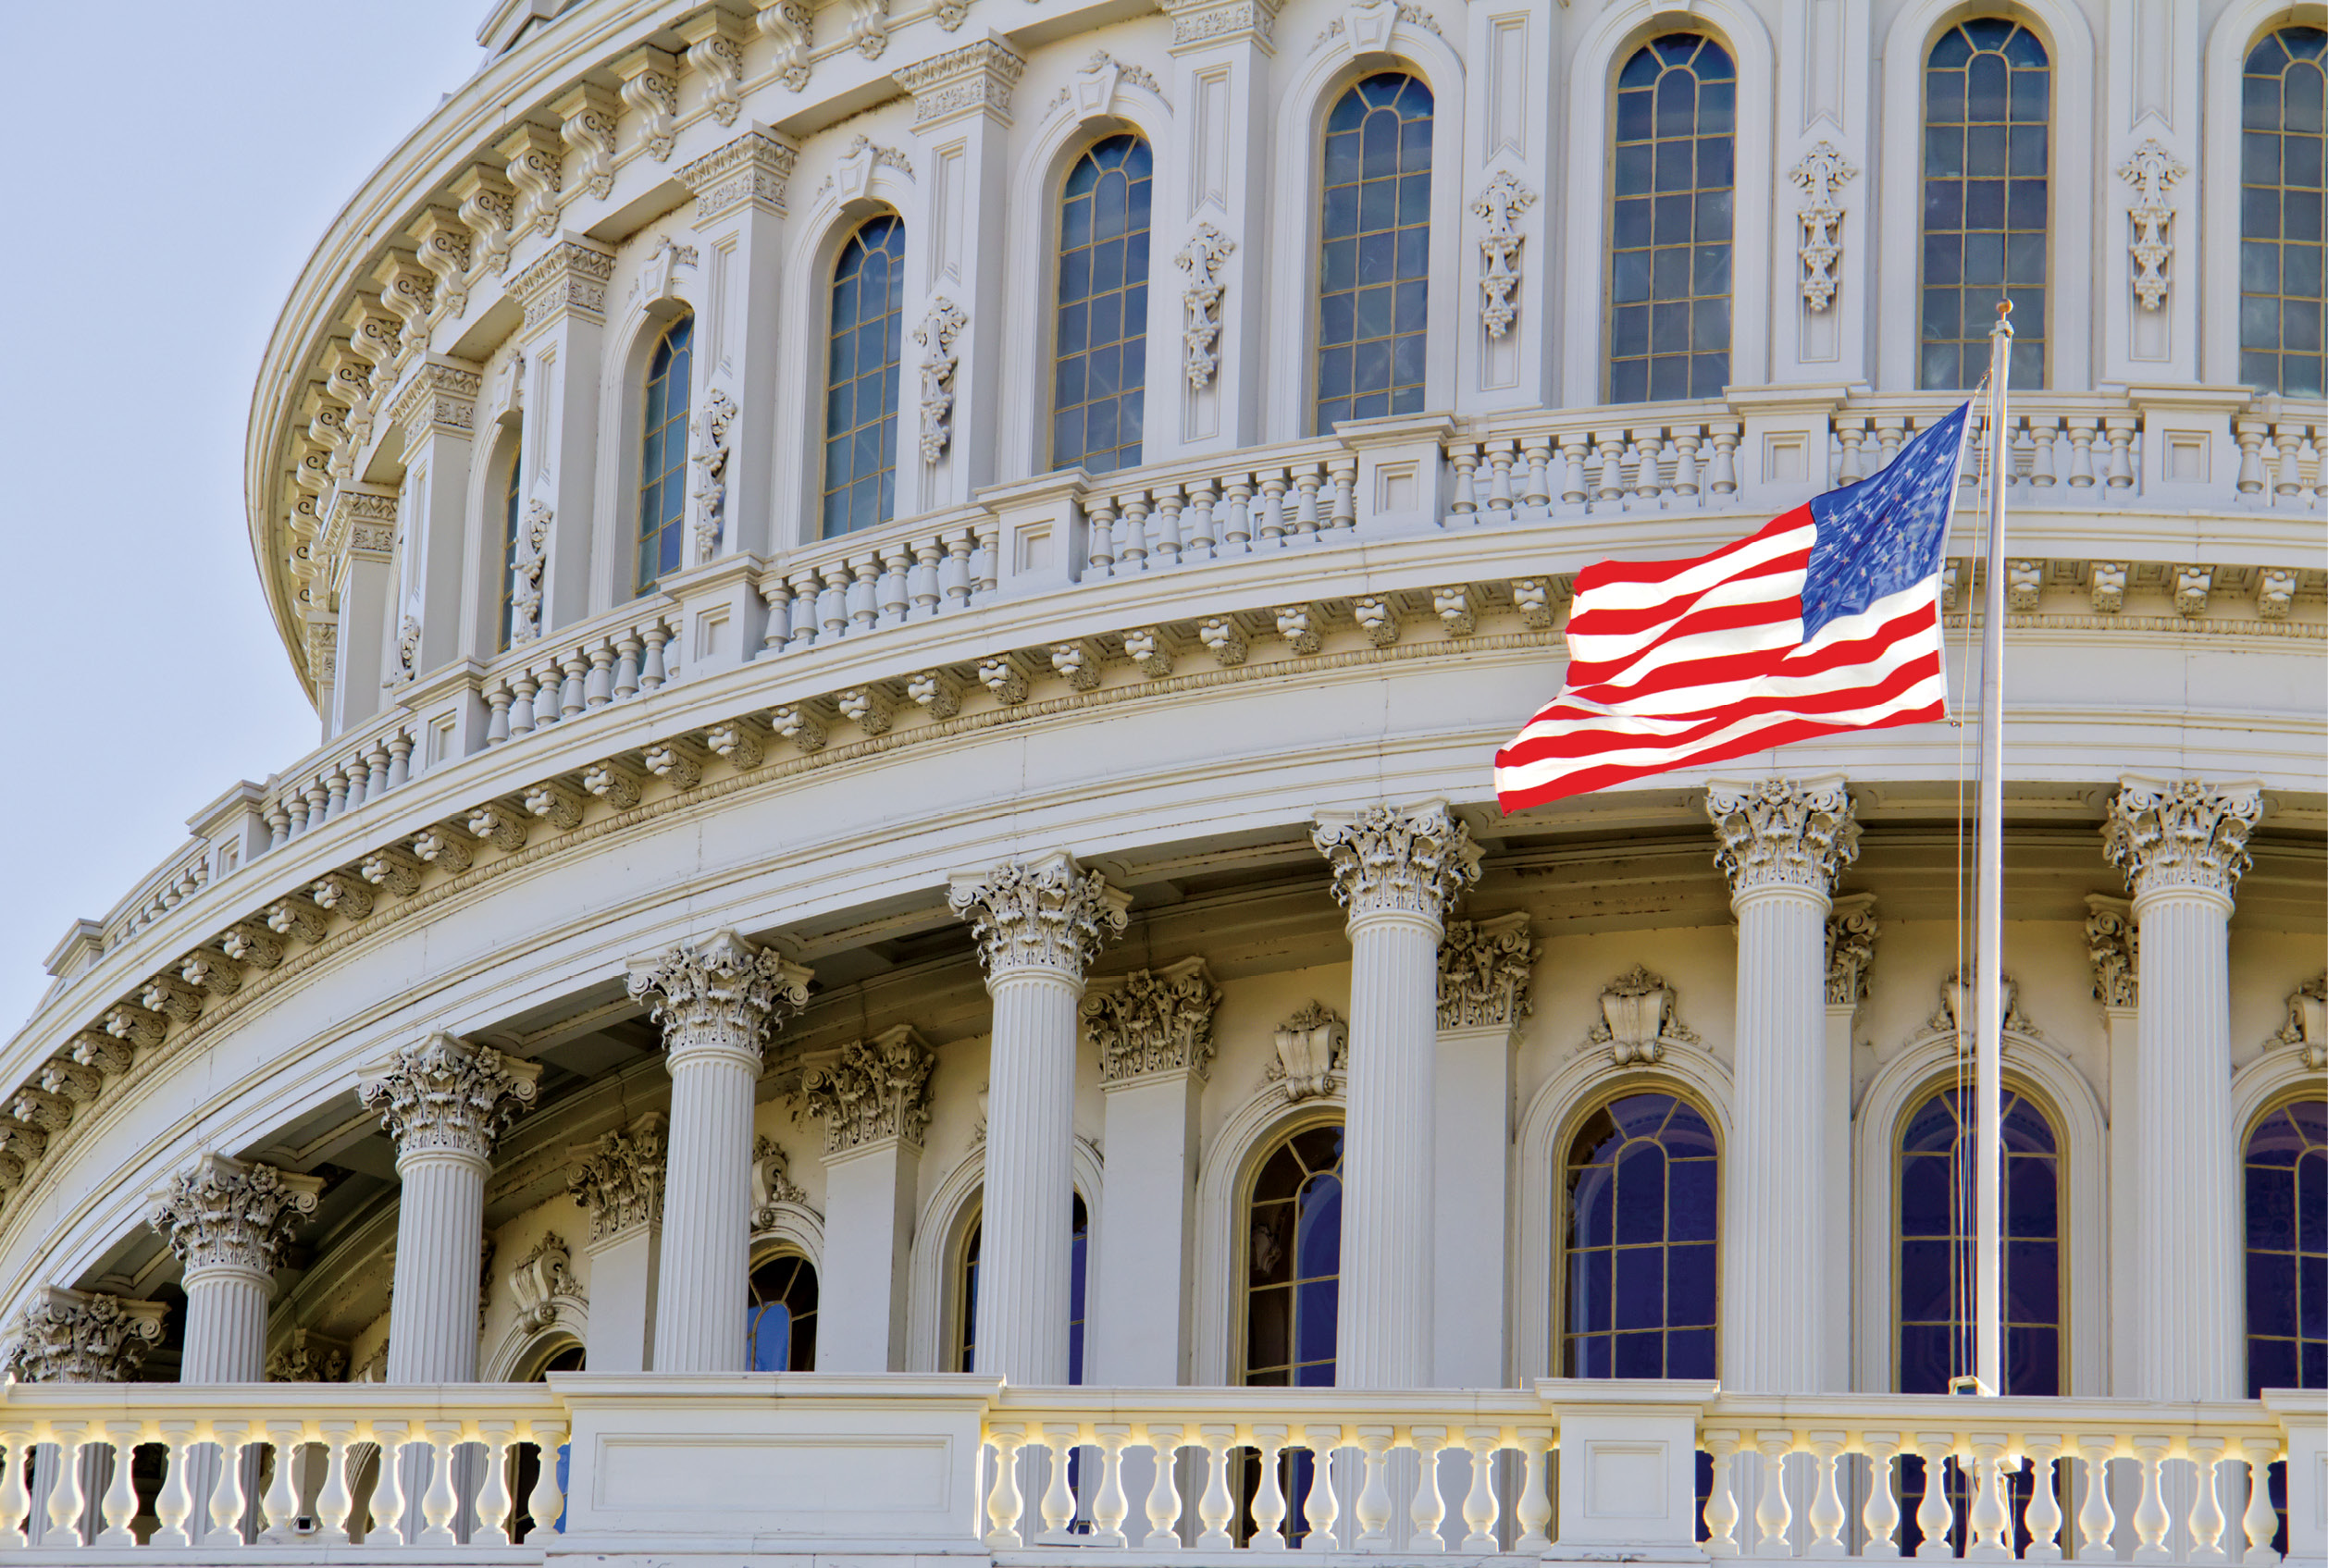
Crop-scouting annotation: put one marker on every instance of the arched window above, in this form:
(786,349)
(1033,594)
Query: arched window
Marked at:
(662,455)
(1936,1183)
(1644,1195)
(1293,1263)
(780,1325)
(1099,378)
(510,488)
(1669,225)
(1374,254)
(1987,103)
(861,386)
(2282,293)
(966,1348)
(2287,1249)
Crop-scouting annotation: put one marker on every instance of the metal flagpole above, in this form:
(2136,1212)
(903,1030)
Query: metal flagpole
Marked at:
(1988,1337)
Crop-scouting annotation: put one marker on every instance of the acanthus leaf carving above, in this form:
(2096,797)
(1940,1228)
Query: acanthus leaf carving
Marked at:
(650,90)
(714,433)
(715,52)
(1152,1021)
(1484,969)
(2154,170)
(489,205)
(1782,833)
(789,25)
(84,1337)
(446,1093)
(587,120)
(1397,859)
(1852,930)
(1202,259)
(1046,913)
(536,169)
(2167,835)
(308,1357)
(1499,207)
(2113,943)
(937,335)
(720,997)
(1821,177)
(525,573)
(1639,1019)
(225,1214)
(618,1180)
(1954,1016)
(871,1091)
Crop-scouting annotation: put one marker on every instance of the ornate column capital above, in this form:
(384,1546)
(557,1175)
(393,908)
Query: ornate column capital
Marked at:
(1852,930)
(1046,913)
(84,1337)
(1782,834)
(2180,837)
(569,279)
(722,995)
(751,170)
(2114,945)
(1484,969)
(1412,860)
(618,1180)
(438,398)
(1152,1021)
(225,1214)
(975,78)
(449,1095)
(308,1357)
(872,1092)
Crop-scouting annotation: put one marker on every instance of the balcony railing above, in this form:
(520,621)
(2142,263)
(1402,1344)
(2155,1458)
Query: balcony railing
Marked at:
(897,1465)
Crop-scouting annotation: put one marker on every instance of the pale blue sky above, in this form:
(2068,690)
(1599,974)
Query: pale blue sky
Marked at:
(170,168)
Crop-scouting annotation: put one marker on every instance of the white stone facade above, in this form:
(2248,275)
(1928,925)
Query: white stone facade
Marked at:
(1067,841)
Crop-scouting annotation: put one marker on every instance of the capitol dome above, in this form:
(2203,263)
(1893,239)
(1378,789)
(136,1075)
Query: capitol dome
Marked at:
(910,603)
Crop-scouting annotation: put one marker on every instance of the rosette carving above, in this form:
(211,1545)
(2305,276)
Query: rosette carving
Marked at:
(876,1089)
(1047,913)
(618,1180)
(2166,836)
(1397,859)
(224,1214)
(1484,968)
(1153,1021)
(1782,833)
(722,995)
(448,1094)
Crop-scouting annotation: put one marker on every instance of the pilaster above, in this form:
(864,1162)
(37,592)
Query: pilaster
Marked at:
(564,294)
(228,1223)
(436,409)
(358,547)
(873,1097)
(2113,943)
(82,1336)
(618,1182)
(1485,971)
(1852,930)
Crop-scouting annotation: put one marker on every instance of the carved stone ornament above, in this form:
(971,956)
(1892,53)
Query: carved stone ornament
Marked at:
(936,335)
(1206,22)
(722,995)
(1498,209)
(974,79)
(1397,859)
(2167,836)
(2153,171)
(224,1214)
(2305,1030)
(1153,1021)
(2114,944)
(1369,23)
(1484,968)
(543,1282)
(1954,1015)
(873,1090)
(788,24)
(1093,89)
(308,1357)
(448,1094)
(1312,1046)
(755,168)
(772,1184)
(1200,334)
(868,26)
(532,558)
(1047,913)
(1821,177)
(569,277)
(1782,833)
(1852,930)
(714,432)
(82,1336)
(618,1180)
(1637,1019)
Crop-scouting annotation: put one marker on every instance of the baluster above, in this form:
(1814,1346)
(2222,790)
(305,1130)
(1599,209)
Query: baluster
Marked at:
(546,1505)
(1685,461)
(2261,1523)
(440,1502)
(1306,509)
(492,1495)
(598,686)
(2207,1522)
(2043,1516)
(801,632)
(1500,456)
(400,753)
(1772,1513)
(1574,445)
(958,578)
(2096,1520)
(2249,434)
(1345,473)
(1479,1502)
(927,553)
(1538,450)
(655,673)
(2081,451)
(333,1502)
(1427,1510)
(1099,548)
(2120,429)
(1826,1515)
(2022,441)
(1201,544)
(1274,526)
(1535,1496)
(1463,458)
(119,1505)
(16,1443)
(1891,432)
(334,780)
(376,763)
(1163,1507)
(1932,1514)
(388,1492)
(282,1504)
(1216,1508)
(1236,533)
(518,717)
(549,685)
(985,559)
(1374,1492)
(278,824)
(1268,1495)
(2287,479)
(1985,1530)
(356,775)
(1322,1505)
(1609,452)
(896,561)
(1131,541)
(1109,1507)
(1721,1502)
(864,592)
(1651,486)
(2045,433)
(1850,435)
(2150,1519)
(1167,544)
(831,604)
(174,1504)
(1879,1515)
(776,594)
(627,646)
(1059,1503)
(1723,474)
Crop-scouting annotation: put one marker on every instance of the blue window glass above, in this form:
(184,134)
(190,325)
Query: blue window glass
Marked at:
(1988,153)
(509,537)
(1099,374)
(662,457)
(780,1324)
(1643,1187)
(2283,291)
(1293,1262)
(966,1353)
(1374,252)
(861,386)
(1672,185)
(2286,1176)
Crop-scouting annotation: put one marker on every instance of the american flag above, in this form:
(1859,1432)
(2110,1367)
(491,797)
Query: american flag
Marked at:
(1825,619)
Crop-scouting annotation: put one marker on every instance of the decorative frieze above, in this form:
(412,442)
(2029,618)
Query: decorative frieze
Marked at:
(2153,171)
(1397,859)
(448,1094)
(224,1214)
(2305,1030)
(1197,22)
(1852,930)
(1312,1046)
(440,398)
(1152,1021)
(937,335)
(543,1283)
(1498,208)
(570,276)
(873,1090)
(753,170)
(773,1187)
(1206,251)
(1484,970)
(1782,833)
(1638,1020)
(720,995)
(2167,836)
(84,1337)
(1821,177)
(1046,913)
(975,78)
(308,1357)
(2114,945)
(618,1180)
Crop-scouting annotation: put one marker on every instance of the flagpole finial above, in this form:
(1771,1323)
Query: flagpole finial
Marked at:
(2004,319)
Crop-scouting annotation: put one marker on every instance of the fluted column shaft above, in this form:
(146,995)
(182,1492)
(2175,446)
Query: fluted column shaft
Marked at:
(226,1325)
(440,1233)
(1782,843)
(1395,869)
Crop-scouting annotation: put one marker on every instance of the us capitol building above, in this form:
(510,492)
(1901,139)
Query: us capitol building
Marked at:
(909,604)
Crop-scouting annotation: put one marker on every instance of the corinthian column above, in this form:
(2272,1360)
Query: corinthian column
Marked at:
(1039,923)
(1782,841)
(227,1222)
(716,1003)
(2182,847)
(446,1102)
(1396,869)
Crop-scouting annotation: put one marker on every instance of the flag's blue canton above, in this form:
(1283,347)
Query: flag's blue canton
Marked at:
(1885,533)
